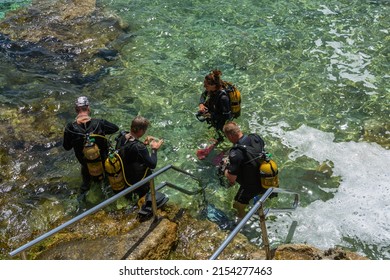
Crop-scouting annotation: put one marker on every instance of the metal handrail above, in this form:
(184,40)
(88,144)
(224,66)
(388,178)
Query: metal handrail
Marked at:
(258,207)
(111,200)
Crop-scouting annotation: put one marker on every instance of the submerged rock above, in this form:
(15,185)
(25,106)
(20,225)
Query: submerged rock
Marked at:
(74,38)
(49,43)
(378,132)
(307,252)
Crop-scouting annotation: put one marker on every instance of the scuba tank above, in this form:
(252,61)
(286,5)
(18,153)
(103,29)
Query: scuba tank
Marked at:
(92,154)
(269,173)
(113,167)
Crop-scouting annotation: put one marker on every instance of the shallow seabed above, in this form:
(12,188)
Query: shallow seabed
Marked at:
(315,84)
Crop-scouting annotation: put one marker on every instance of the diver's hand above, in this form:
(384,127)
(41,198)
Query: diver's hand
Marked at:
(156,144)
(203,109)
(148,139)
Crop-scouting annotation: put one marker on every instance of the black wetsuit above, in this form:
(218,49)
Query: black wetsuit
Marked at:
(75,136)
(244,162)
(137,161)
(218,105)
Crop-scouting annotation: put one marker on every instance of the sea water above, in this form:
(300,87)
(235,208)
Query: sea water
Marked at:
(315,85)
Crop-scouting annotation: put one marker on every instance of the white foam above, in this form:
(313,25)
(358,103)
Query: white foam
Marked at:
(360,208)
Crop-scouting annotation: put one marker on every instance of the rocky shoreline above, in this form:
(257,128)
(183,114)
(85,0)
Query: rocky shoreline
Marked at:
(174,236)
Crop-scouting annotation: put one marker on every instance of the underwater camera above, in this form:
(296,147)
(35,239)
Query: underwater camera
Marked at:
(203,116)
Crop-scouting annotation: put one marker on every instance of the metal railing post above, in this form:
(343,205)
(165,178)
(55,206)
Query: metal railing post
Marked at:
(264,233)
(241,224)
(259,208)
(154,203)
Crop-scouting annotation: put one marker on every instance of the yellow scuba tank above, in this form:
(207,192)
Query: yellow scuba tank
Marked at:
(92,154)
(269,173)
(113,168)
(234,97)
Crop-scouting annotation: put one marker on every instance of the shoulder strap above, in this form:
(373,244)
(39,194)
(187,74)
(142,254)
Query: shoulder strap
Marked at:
(223,92)
(120,139)
(91,129)
(252,150)
(129,145)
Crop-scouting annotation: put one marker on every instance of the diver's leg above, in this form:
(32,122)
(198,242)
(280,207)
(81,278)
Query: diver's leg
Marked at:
(240,208)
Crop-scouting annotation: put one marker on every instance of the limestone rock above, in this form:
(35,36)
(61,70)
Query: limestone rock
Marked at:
(64,36)
(307,252)
(158,245)
(110,236)
(138,244)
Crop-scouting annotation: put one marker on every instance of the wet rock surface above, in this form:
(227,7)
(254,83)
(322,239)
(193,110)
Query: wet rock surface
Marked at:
(307,252)
(174,235)
(147,241)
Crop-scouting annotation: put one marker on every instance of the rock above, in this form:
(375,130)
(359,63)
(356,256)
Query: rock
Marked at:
(149,241)
(110,236)
(157,246)
(297,252)
(307,252)
(199,239)
(62,37)
(377,131)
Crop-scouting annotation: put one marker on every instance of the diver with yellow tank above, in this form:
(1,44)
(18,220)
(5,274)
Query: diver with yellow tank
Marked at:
(248,165)
(86,136)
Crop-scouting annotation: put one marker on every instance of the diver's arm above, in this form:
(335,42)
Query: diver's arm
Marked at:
(150,160)
(109,128)
(232,169)
(202,102)
(67,142)
(231,178)
(226,111)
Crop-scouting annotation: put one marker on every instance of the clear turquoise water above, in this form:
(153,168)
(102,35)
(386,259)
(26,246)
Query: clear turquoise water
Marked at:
(314,77)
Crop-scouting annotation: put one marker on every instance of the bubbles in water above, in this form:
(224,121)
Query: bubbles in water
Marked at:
(359,208)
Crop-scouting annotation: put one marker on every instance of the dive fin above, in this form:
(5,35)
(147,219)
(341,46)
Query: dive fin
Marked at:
(203,153)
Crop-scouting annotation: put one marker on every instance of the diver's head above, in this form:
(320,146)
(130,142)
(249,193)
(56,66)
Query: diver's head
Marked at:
(213,81)
(139,125)
(82,104)
(232,132)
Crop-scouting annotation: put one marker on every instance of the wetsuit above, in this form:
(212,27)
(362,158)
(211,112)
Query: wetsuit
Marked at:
(244,162)
(74,137)
(137,162)
(218,105)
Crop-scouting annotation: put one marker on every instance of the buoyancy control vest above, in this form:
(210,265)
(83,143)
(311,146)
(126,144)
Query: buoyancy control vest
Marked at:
(256,156)
(90,145)
(121,169)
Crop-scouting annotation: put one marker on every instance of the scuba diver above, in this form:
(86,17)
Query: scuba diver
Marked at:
(137,161)
(248,165)
(86,136)
(214,103)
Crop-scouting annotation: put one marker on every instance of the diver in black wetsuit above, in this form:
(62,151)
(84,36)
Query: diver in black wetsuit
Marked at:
(214,103)
(92,131)
(137,160)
